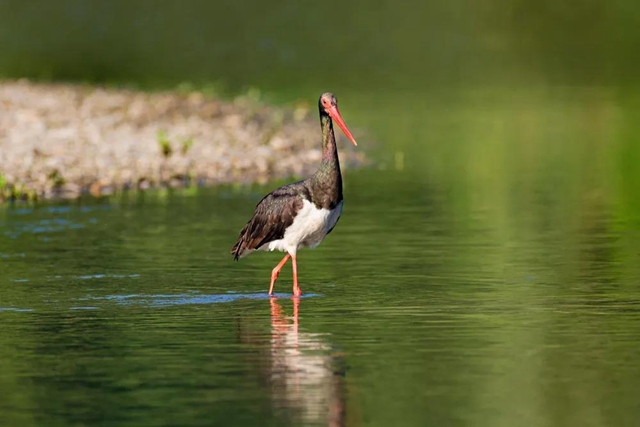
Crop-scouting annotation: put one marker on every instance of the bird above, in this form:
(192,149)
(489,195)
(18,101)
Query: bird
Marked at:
(303,213)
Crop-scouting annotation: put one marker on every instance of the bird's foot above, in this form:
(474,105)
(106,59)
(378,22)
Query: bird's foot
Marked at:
(297,292)
(274,277)
(276,272)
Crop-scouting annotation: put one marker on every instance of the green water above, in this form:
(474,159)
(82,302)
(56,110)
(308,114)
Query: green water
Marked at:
(498,295)
(485,272)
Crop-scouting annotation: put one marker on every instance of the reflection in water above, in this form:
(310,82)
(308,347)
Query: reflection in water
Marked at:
(304,376)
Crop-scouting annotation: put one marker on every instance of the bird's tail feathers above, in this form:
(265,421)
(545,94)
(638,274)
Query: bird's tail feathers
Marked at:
(237,249)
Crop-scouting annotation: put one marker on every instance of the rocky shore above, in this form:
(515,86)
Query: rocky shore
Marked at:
(61,140)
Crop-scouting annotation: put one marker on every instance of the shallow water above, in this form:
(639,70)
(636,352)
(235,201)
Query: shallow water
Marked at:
(450,295)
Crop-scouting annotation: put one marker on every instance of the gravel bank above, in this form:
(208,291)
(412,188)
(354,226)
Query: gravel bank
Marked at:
(60,140)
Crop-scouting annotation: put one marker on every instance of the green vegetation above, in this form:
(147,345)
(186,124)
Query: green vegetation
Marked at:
(166,148)
(15,191)
(186,145)
(164,143)
(57,178)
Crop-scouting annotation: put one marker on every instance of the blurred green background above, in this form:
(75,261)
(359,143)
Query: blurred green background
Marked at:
(369,46)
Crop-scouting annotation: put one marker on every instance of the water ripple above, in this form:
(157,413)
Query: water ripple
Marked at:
(163,300)
(16,309)
(103,276)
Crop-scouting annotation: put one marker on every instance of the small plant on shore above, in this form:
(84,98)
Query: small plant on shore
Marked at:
(5,191)
(57,178)
(186,146)
(165,144)
(17,191)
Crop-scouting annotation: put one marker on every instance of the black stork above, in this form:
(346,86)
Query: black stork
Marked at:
(300,214)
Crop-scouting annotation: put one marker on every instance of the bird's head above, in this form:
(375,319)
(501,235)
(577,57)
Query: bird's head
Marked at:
(328,104)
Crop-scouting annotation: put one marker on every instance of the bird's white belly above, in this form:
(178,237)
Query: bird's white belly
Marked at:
(309,228)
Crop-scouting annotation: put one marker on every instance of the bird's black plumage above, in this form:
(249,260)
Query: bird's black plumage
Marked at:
(274,213)
(278,209)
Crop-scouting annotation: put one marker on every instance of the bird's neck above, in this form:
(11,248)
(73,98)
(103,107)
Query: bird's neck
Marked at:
(327,181)
(329,148)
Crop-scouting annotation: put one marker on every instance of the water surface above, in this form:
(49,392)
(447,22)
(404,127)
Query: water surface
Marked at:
(453,291)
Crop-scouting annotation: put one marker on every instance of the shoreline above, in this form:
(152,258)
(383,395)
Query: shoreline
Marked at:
(64,140)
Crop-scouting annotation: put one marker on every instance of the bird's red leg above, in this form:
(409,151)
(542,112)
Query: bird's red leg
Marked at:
(276,271)
(296,289)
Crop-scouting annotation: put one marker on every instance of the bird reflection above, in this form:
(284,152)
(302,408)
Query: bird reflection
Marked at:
(305,376)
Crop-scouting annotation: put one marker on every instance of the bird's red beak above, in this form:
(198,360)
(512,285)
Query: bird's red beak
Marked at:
(335,115)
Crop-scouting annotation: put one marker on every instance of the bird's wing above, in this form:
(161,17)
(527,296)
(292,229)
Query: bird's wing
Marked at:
(274,213)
